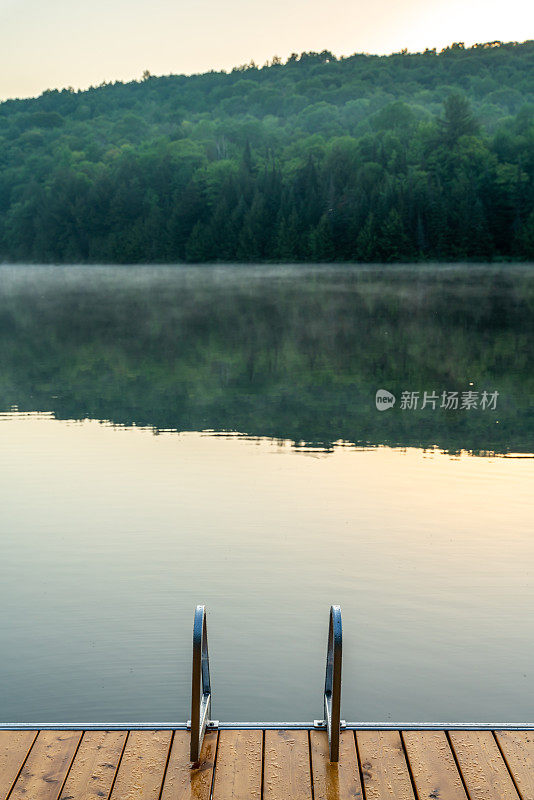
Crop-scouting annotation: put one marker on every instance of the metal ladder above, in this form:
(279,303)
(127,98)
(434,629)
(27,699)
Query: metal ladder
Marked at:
(201,687)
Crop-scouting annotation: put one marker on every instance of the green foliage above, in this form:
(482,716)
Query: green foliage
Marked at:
(425,156)
(458,120)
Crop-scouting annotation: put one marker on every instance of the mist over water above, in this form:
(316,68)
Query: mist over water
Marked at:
(285,352)
(171,436)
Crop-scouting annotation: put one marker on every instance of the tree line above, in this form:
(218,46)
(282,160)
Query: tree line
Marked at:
(409,157)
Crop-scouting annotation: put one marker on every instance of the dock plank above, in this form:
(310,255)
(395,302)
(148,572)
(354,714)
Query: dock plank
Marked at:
(335,781)
(141,771)
(384,769)
(93,770)
(182,780)
(238,766)
(518,750)
(482,766)
(432,765)
(14,747)
(286,771)
(47,766)
(258,764)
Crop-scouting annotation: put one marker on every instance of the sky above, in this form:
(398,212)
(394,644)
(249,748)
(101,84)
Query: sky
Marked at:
(48,44)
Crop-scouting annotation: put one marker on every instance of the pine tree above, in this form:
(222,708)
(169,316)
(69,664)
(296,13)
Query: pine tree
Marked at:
(199,246)
(287,237)
(458,119)
(322,241)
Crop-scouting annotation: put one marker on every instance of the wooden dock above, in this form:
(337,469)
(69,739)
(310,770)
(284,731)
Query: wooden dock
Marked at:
(270,764)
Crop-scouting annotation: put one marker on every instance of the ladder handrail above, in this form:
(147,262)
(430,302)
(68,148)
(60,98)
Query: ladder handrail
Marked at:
(200,684)
(332,684)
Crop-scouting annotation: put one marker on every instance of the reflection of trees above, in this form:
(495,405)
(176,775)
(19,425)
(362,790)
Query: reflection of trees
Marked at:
(283,354)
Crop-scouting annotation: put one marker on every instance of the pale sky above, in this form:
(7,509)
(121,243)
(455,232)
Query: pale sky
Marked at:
(57,43)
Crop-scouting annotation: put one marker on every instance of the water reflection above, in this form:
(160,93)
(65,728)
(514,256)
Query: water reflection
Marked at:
(111,535)
(284,353)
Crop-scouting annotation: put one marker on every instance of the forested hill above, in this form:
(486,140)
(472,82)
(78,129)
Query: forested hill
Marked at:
(425,156)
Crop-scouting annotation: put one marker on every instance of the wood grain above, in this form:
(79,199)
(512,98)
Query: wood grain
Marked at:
(286,771)
(93,770)
(142,767)
(182,780)
(433,767)
(14,747)
(384,769)
(267,765)
(339,781)
(238,766)
(518,750)
(483,769)
(47,766)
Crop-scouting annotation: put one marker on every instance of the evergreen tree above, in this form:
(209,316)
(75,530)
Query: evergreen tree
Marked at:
(458,119)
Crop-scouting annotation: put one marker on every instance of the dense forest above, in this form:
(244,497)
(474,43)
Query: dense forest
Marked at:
(408,157)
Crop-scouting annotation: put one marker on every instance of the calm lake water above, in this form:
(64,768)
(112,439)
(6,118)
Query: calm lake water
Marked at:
(174,436)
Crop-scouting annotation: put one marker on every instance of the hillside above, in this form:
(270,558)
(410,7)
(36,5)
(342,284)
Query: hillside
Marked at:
(405,157)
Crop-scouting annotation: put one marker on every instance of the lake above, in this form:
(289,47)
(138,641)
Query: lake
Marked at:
(181,435)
